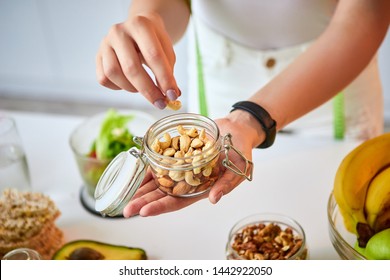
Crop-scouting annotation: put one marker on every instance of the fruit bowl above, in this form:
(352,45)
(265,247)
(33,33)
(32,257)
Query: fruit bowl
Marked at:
(343,241)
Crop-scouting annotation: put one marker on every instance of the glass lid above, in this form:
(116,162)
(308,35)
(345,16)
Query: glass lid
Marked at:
(119,181)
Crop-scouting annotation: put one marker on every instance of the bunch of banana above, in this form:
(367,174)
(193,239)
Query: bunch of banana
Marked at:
(362,188)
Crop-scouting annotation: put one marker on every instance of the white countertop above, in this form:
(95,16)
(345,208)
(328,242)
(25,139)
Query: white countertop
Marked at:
(294,177)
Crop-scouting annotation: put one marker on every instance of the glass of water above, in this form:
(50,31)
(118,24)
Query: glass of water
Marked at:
(14,171)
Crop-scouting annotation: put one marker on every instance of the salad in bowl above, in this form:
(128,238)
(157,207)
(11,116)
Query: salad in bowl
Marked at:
(98,139)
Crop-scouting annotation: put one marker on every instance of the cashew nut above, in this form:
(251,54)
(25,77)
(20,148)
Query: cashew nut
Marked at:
(176,176)
(193,132)
(178,156)
(174,105)
(175,142)
(181,130)
(185,142)
(169,152)
(190,179)
(207,171)
(189,153)
(209,148)
(202,135)
(196,159)
(156,146)
(167,142)
(159,171)
(196,143)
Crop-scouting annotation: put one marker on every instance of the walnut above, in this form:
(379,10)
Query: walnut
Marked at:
(267,242)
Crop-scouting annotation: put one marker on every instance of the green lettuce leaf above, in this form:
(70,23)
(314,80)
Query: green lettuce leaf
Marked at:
(114,136)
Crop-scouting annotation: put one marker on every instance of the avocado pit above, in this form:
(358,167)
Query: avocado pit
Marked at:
(85,253)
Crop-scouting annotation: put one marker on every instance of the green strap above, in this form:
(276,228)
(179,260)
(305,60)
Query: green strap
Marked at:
(338,116)
(201,87)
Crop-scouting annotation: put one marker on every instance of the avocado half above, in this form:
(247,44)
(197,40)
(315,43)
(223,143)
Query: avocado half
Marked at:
(95,250)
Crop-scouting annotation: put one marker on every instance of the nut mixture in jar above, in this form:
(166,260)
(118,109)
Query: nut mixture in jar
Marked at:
(267,242)
(188,164)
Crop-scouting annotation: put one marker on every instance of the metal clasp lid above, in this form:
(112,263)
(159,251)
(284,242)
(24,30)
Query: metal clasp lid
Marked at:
(248,170)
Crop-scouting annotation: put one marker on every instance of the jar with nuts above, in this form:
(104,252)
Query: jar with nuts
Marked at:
(183,153)
(266,236)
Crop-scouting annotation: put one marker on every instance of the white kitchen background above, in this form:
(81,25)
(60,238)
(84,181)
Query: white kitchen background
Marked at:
(48,48)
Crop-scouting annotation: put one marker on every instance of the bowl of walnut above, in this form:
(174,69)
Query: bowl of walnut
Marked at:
(267,236)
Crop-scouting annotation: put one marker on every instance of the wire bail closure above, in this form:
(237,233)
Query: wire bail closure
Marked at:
(248,171)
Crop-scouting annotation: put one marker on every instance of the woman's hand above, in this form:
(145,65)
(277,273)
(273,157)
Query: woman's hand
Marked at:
(150,201)
(141,40)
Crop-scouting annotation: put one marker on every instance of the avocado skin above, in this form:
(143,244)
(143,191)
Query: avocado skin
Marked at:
(108,251)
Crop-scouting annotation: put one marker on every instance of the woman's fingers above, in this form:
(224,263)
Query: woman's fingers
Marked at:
(224,185)
(101,76)
(150,201)
(147,186)
(135,72)
(112,74)
(135,205)
(125,51)
(156,52)
(230,180)
(165,204)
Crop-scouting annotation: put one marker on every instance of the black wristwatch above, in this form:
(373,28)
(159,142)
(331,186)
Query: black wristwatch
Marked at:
(263,117)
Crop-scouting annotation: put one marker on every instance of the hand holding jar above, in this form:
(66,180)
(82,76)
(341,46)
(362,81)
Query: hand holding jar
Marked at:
(183,158)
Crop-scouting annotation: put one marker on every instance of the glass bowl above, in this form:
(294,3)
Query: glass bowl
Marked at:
(81,140)
(343,241)
(22,254)
(267,236)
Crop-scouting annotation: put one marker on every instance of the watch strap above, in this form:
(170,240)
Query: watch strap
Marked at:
(263,117)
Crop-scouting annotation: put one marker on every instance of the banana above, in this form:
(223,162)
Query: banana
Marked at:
(349,221)
(338,192)
(378,198)
(382,221)
(354,176)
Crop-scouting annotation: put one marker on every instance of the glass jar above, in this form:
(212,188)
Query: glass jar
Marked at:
(183,153)
(267,236)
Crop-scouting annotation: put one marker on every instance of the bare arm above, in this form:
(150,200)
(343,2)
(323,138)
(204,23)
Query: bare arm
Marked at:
(174,13)
(331,63)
